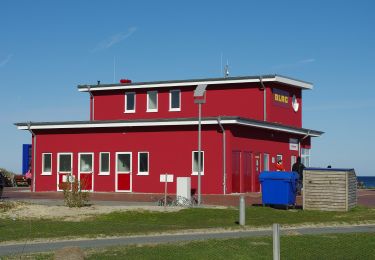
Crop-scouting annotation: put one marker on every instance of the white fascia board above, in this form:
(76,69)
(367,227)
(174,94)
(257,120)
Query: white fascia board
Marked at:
(166,123)
(177,84)
(280,79)
(293,82)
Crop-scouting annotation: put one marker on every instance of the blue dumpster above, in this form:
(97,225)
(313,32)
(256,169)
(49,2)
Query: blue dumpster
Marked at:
(279,188)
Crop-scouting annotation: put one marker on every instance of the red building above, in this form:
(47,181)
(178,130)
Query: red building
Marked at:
(139,131)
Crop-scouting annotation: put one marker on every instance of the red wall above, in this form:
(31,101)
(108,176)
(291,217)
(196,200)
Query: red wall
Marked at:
(169,150)
(245,100)
(244,139)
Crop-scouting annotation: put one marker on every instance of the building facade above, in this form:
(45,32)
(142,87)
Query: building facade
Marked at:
(138,132)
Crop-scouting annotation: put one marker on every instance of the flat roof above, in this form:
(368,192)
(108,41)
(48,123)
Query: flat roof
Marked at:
(191,82)
(225,120)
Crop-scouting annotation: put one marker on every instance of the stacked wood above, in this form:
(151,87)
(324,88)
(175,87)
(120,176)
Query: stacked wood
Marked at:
(329,189)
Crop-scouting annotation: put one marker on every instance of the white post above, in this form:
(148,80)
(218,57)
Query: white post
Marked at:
(276,241)
(165,191)
(242,211)
(199,152)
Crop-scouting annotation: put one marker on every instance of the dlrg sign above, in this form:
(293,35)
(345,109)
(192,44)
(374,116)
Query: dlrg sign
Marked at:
(280,97)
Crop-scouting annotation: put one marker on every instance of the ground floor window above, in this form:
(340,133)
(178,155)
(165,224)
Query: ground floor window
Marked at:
(65,162)
(46,164)
(195,162)
(266,162)
(293,160)
(104,163)
(305,157)
(86,162)
(143,163)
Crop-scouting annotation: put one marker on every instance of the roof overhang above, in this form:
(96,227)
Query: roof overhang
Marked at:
(227,120)
(194,82)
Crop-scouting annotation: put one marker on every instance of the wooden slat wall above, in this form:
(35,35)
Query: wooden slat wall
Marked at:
(329,190)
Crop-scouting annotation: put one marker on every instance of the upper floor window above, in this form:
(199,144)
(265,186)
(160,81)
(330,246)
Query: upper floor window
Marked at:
(152,101)
(130,102)
(175,100)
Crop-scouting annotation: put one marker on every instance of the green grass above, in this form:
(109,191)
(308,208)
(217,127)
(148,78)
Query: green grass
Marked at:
(133,222)
(332,246)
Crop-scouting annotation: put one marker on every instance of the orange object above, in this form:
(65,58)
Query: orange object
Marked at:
(280,167)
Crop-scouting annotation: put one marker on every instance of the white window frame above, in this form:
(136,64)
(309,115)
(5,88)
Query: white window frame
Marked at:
(192,163)
(293,160)
(157,101)
(92,162)
(100,163)
(131,164)
(71,163)
(148,164)
(279,157)
(306,156)
(43,172)
(170,100)
(126,102)
(268,161)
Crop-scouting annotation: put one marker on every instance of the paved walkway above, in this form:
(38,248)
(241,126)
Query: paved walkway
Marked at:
(365,197)
(32,247)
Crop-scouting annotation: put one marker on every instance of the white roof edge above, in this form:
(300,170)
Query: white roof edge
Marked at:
(166,123)
(276,78)
(294,82)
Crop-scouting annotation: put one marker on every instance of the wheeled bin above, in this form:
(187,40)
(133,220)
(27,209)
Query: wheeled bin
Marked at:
(279,188)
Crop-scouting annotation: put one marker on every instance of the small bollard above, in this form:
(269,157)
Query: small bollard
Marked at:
(276,241)
(242,211)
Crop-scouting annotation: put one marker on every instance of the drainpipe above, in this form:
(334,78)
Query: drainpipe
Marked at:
(224,157)
(264,98)
(92,104)
(34,154)
(301,139)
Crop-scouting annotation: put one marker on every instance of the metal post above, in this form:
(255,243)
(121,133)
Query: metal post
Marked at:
(199,152)
(165,191)
(276,241)
(242,211)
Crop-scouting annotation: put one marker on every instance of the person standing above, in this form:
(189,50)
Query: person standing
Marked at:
(298,167)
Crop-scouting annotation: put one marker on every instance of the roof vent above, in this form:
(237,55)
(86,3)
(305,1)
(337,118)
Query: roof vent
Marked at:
(125,81)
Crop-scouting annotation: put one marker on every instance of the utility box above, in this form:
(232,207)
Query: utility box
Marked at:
(329,189)
(279,188)
(183,194)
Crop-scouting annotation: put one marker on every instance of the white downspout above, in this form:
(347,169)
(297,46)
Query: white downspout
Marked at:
(264,99)
(224,157)
(34,154)
(93,103)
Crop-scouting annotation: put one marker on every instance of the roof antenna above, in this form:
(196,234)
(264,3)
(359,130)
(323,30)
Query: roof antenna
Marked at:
(98,82)
(226,70)
(114,69)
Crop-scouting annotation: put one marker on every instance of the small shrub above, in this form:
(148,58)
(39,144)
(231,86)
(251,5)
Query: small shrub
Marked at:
(74,196)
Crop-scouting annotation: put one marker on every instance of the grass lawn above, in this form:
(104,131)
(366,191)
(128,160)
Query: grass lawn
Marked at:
(135,222)
(333,246)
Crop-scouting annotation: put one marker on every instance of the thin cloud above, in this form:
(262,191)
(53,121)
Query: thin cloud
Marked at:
(6,60)
(115,39)
(295,64)
(343,105)
(307,60)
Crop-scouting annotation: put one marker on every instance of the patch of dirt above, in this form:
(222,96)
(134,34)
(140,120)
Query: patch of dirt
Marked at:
(35,211)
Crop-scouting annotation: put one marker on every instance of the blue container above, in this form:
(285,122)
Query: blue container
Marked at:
(26,158)
(279,188)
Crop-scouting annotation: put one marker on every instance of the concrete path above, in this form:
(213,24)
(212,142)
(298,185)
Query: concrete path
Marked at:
(32,247)
(365,197)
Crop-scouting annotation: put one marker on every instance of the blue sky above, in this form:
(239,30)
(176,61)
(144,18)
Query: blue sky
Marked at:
(47,48)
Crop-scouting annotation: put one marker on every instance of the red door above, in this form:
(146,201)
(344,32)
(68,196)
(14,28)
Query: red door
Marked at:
(247,171)
(236,171)
(256,171)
